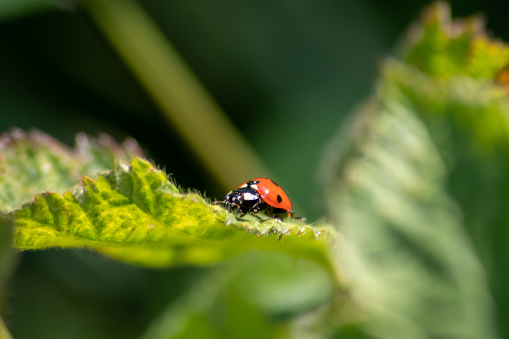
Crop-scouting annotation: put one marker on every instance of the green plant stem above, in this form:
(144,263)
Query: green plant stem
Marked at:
(4,332)
(186,105)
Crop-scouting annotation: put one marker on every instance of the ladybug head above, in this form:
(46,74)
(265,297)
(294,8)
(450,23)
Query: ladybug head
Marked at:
(243,199)
(234,198)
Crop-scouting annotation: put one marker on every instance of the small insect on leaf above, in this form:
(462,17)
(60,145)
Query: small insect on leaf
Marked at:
(259,194)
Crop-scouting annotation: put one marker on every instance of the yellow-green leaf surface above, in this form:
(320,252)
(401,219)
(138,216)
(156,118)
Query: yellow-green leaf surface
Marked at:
(137,215)
(34,162)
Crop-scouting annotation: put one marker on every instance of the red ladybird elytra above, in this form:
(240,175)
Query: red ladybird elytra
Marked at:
(259,194)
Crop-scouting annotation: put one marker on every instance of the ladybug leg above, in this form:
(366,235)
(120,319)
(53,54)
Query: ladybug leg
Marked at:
(294,217)
(253,209)
(227,205)
(272,216)
(258,206)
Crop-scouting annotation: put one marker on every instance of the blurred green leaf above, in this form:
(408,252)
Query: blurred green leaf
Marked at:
(468,121)
(6,265)
(405,257)
(17,8)
(135,214)
(6,257)
(444,48)
(34,162)
(252,296)
(419,188)
(4,333)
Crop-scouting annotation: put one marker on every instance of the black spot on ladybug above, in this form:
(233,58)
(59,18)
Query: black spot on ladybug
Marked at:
(253,182)
(274,182)
(279,199)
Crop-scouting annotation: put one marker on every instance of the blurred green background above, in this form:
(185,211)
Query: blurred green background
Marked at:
(286,73)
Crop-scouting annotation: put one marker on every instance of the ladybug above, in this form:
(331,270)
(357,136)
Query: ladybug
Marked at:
(260,194)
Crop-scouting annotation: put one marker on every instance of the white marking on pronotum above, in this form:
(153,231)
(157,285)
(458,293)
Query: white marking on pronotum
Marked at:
(249,196)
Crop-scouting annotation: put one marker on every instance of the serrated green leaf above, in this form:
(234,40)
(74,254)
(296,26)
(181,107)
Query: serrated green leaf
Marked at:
(420,191)
(34,162)
(468,123)
(444,48)
(135,214)
(405,254)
